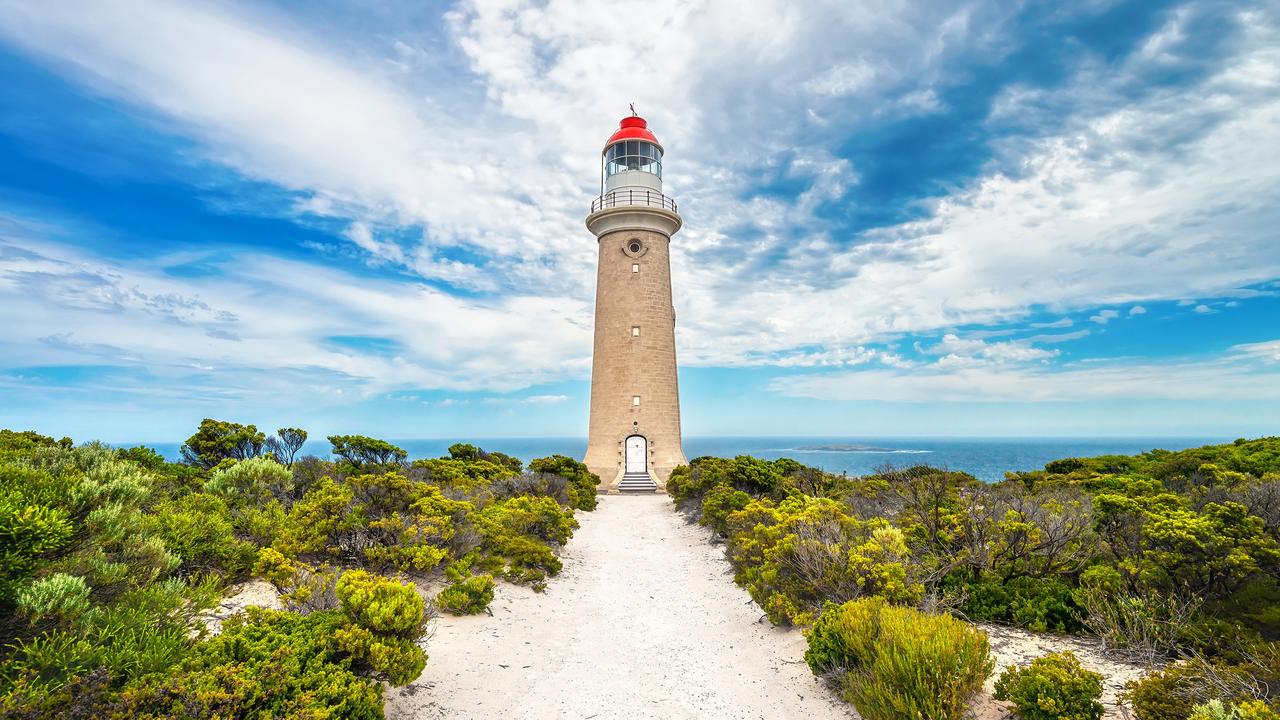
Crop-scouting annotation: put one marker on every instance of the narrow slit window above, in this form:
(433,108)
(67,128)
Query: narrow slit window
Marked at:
(635,331)
(635,267)
(635,400)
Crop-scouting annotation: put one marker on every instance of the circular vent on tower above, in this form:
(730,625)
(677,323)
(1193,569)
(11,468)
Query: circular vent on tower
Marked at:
(634,247)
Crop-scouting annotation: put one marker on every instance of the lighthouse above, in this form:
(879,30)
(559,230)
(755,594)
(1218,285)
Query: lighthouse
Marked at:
(633,438)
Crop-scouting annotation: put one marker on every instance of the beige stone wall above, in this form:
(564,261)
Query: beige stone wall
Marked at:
(625,366)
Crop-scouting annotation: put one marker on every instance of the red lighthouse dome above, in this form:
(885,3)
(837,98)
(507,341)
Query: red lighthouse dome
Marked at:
(632,127)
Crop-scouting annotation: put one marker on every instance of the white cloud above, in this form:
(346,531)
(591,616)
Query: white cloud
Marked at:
(1060,323)
(844,79)
(544,399)
(1121,205)
(285,109)
(1269,351)
(1137,310)
(527,400)
(832,357)
(265,316)
(1202,309)
(1235,376)
(957,351)
(1104,316)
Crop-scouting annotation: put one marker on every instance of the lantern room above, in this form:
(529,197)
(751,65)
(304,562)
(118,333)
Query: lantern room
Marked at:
(632,157)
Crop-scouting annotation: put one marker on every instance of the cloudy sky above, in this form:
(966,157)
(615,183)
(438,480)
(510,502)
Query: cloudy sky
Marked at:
(901,218)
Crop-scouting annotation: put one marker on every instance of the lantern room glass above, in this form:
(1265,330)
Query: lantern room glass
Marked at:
(633,155)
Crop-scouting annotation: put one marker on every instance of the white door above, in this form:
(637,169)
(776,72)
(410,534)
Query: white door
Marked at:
(636,455)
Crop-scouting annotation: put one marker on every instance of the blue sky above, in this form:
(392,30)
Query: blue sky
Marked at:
(912,218)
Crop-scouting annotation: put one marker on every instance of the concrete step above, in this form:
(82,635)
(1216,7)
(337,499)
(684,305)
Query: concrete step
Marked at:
(637,482)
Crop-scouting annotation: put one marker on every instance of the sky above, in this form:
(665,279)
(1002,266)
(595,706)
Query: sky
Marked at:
(900,218)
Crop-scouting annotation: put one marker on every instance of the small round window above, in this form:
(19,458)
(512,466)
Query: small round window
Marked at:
(634,247)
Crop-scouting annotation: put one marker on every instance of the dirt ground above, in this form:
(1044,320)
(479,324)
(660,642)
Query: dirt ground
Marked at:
(645,622)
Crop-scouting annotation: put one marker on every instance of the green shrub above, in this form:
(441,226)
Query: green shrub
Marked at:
(218,440)
(518,558)
(1171,693)
(465,476)
(467,597)
(145,457)
(199,529)
(145,630)
(895,662)
(29,530)
(718,503)
(265,664)
(517,536)
(466,451)
(1176,691)
(1038,604)
(61,596)
(380,520)
(1053,687)
(275,567)
(362,451)
(390,618)
(251,482)
(582,482)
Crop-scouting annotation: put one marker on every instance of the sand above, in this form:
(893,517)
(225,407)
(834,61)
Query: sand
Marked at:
(256,592)
(1011,646)
(644,622)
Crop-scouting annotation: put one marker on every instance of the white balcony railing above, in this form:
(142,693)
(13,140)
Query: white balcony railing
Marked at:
(628,197)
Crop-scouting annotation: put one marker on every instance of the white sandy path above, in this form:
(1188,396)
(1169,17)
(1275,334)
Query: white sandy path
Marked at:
(644,622)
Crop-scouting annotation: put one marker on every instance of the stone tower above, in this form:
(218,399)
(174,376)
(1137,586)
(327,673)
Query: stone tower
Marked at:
(634,436)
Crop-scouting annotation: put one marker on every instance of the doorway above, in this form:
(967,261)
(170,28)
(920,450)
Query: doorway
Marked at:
(637,455)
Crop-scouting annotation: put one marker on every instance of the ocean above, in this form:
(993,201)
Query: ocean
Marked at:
(985,458)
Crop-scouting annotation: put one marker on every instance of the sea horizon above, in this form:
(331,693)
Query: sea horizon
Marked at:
(987,458)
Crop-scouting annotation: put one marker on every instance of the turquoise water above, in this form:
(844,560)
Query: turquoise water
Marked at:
(985,458)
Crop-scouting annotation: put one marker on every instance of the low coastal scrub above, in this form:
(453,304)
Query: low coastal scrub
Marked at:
(1164,555)
(467,597)
(896,662)
(1053,687)
(110,558)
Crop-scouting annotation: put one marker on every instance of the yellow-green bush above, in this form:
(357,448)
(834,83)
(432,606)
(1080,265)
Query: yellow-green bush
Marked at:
(1053,687)
(1214,710)
(381,604)
(467,597)
(463,475)
(1257,710)
(380,520)
(390,617)
(895,662)
(803,552)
